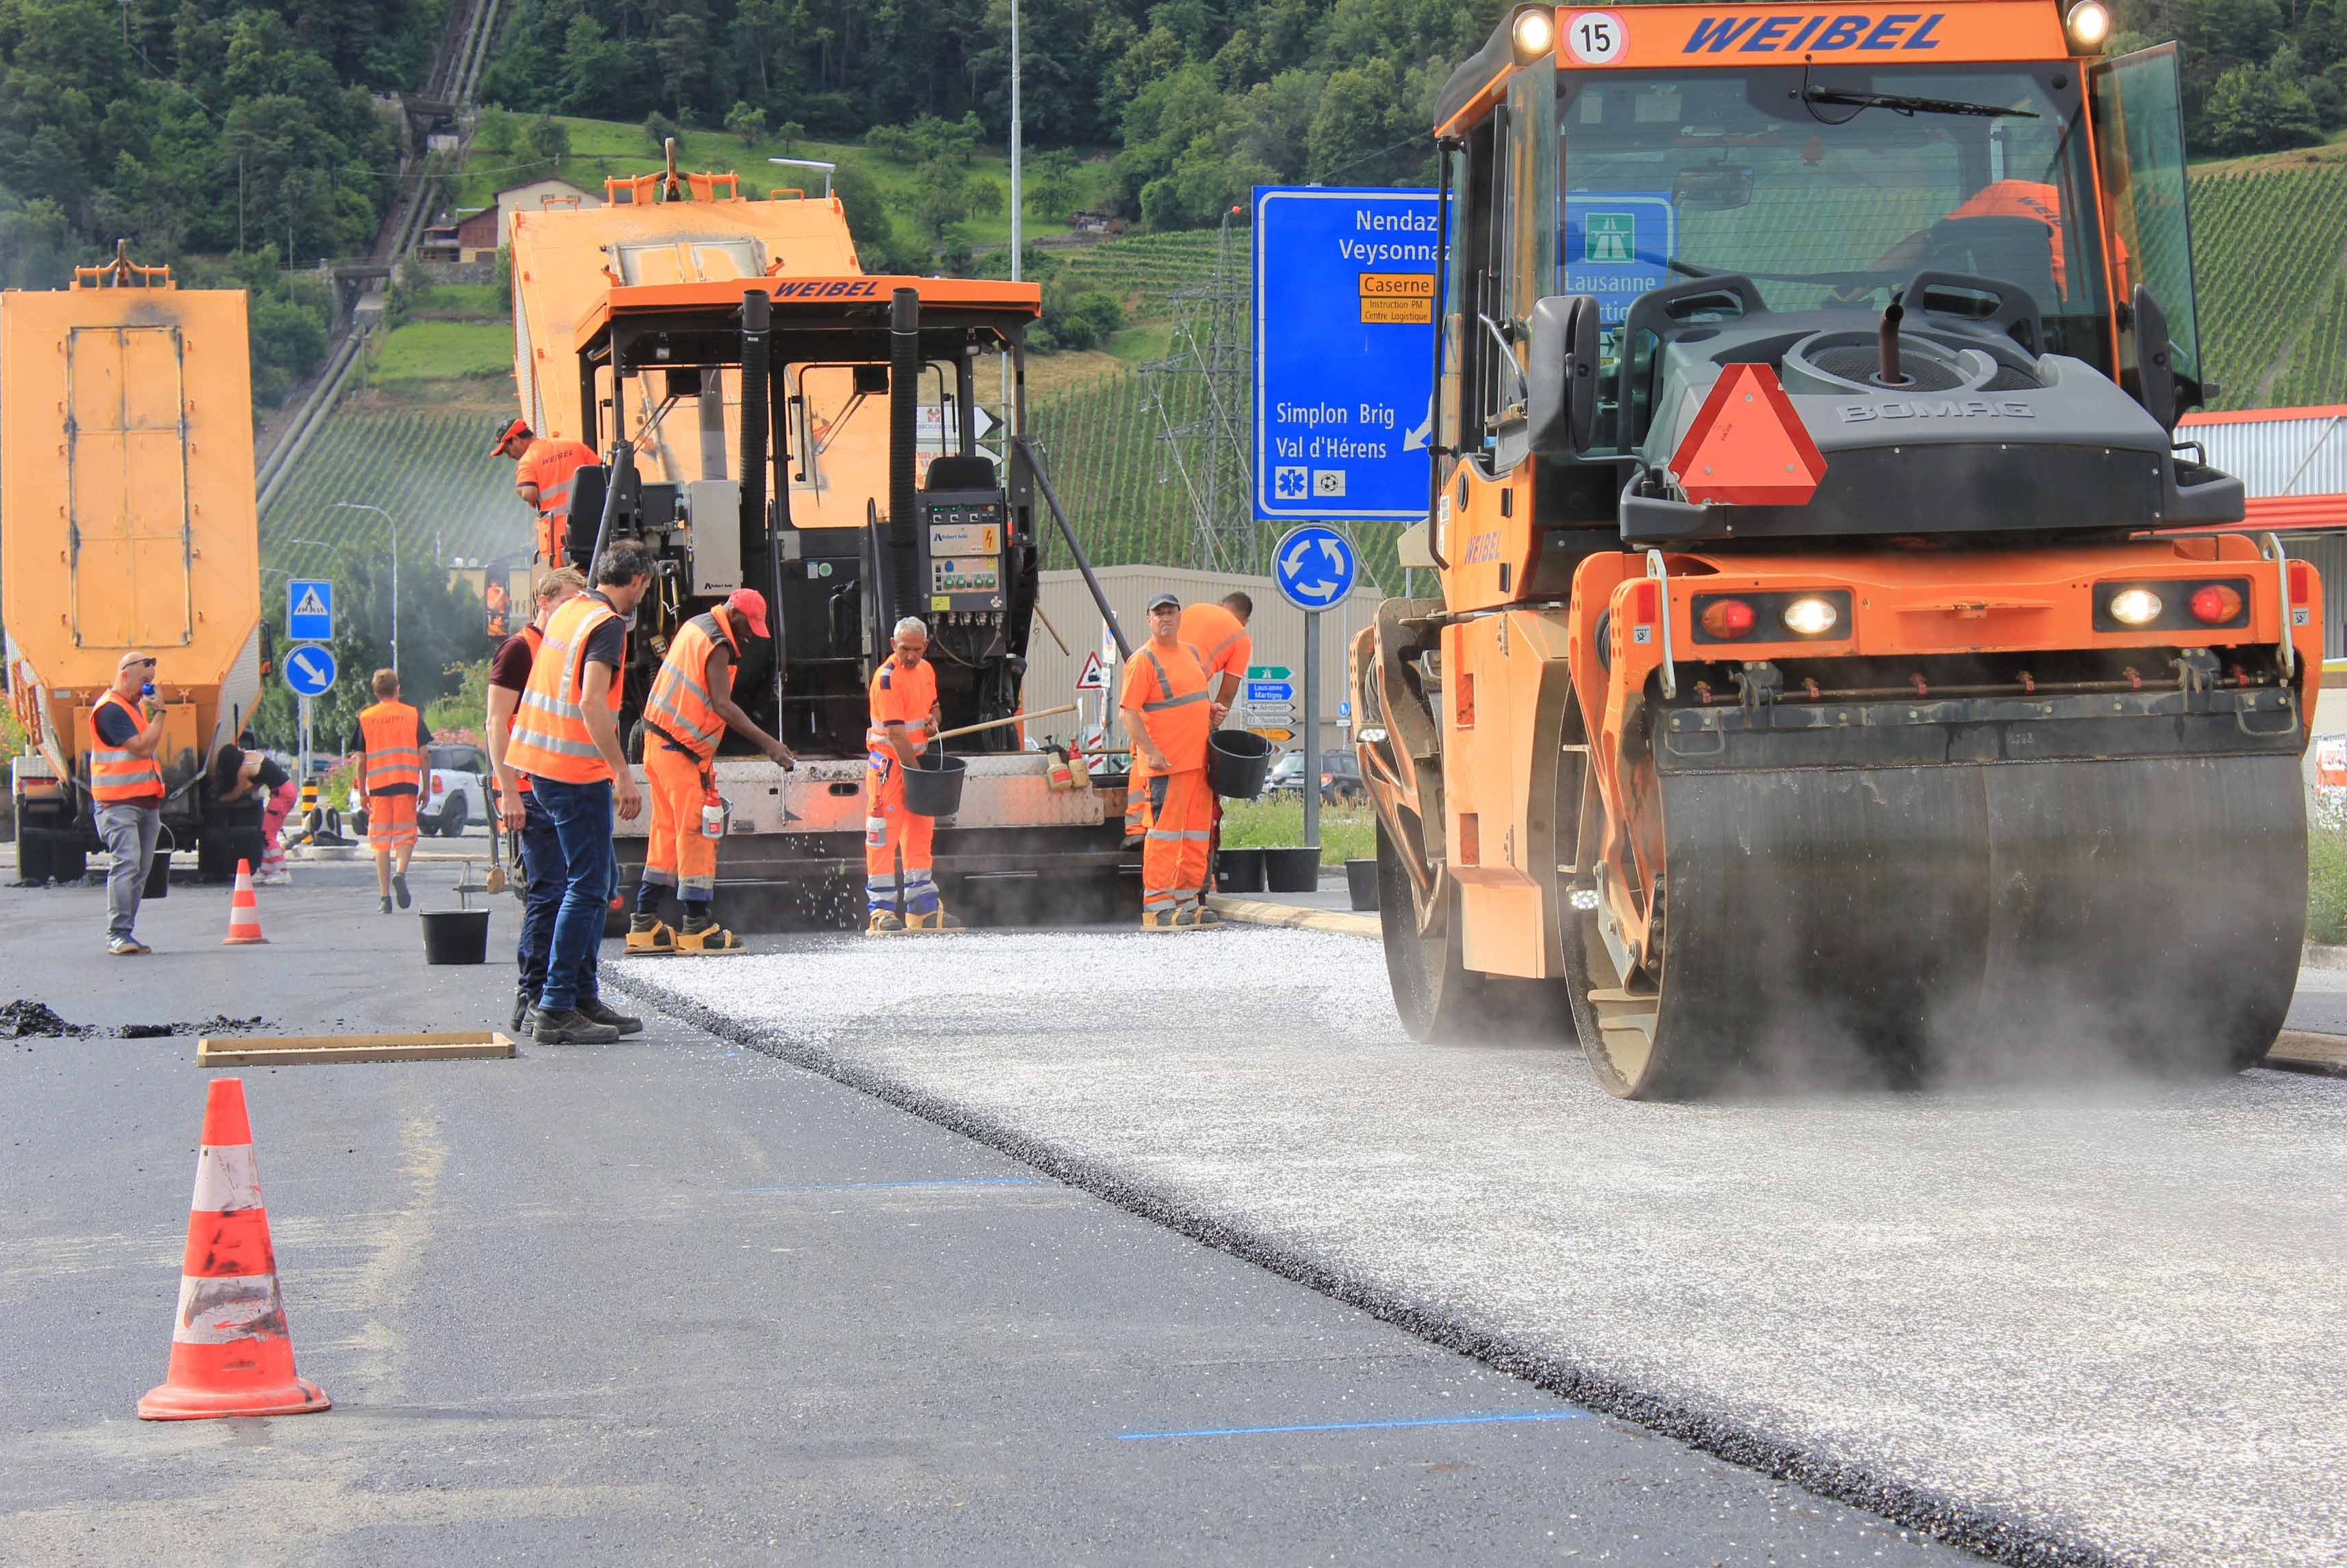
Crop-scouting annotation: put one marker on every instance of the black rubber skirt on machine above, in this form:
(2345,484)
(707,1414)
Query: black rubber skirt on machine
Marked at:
(1957,917)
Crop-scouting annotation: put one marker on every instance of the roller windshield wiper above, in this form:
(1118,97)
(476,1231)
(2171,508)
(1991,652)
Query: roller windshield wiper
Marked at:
(1910,106)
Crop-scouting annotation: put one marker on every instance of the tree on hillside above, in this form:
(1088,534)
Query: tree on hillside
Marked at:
(790,131)
(548,141)
(746,122)
(2253,109)
(493,130)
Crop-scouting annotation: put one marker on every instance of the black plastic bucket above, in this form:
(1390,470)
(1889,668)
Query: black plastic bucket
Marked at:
(934,789)
(456,937)
(1238,871)
(1291,870)
(158,870)
(1361,882)
(1237,762)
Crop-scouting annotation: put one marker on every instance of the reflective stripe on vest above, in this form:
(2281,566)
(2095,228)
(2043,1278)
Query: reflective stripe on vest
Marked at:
(679,705)
(549,735)
(392,753)
(1166,686)
(116,775)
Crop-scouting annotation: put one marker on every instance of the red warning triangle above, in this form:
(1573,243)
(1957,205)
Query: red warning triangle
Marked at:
(1747,447)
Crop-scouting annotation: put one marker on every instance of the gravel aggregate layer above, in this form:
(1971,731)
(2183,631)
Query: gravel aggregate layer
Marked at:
(674,1301)
(2096,1320)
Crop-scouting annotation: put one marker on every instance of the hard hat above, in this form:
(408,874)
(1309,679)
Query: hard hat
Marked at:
(750,606)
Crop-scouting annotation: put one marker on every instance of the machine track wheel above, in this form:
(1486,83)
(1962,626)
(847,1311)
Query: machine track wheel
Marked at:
(1436,994)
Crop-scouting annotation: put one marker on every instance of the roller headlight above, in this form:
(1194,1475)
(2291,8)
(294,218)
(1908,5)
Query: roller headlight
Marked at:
(1533,34)
(1811,616)
(2088,23)
(2136,607)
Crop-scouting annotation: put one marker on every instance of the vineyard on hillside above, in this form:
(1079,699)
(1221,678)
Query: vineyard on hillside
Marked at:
(2267,244)
(2318,364)
(1144,269)
(428,467)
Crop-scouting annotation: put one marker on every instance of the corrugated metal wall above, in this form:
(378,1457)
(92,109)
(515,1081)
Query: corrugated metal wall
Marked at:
(2280,456)
(1278,629)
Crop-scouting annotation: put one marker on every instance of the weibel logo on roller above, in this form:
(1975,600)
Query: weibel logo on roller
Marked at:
(1823,32)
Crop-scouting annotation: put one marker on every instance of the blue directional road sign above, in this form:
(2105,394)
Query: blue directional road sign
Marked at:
(1271,691)
(1617,245)
(1344,360)
(310,672)
(309,610)
(1314,567)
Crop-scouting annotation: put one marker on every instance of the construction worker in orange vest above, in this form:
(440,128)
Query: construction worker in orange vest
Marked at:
(690,707)
(566,737)
(542,476)
(1219,634)
(531,829)
(1167,711)
(390,741)
(897,854)
(126,794)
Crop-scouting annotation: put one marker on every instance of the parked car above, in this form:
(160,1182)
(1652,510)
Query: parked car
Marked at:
(1340,775)
(456,791)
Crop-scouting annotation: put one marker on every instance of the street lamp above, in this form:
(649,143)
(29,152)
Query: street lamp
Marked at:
(387,517)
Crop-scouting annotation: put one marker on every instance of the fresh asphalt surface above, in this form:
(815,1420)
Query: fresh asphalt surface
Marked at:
(675,1300)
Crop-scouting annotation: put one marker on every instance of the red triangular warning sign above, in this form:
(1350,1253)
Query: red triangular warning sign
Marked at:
(1747,447)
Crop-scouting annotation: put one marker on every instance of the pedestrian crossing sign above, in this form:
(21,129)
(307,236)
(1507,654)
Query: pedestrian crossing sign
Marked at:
(309,610)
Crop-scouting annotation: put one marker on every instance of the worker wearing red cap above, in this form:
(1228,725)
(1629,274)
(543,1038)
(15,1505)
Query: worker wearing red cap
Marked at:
(690,707)
(542,476)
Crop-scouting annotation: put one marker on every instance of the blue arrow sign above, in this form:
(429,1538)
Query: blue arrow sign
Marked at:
(310,672)
(309,610)
(1344,365)
(1314,567)
(1271,691)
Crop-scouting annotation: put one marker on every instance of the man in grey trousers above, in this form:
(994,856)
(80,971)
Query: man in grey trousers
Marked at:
(125,789)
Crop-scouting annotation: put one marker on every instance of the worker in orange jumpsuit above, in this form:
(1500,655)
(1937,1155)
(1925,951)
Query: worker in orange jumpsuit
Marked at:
(897,854)
(1166,709)
(1219,634)
(690,707)
(542,474)
(392,735)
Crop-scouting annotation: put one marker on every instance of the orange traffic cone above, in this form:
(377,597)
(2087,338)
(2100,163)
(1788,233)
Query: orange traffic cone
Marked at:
(243,910)
(231,1355)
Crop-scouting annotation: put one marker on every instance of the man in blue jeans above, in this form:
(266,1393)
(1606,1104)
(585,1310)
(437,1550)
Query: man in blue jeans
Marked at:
(566,736)
(539,851)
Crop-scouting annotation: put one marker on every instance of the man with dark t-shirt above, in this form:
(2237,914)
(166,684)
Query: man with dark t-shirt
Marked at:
(532,829)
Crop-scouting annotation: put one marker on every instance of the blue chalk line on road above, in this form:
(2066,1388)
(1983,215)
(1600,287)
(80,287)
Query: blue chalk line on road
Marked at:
(875,1186)
(1362,1426)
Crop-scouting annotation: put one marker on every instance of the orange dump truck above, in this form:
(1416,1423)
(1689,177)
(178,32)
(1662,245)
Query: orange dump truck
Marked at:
(126,521)
(1838,658)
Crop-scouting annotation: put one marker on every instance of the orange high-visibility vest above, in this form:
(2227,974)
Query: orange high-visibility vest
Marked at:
(393,755)
(119,776)
(551,465)
(537,640)
(678,706)
(549,736)
(1177,717)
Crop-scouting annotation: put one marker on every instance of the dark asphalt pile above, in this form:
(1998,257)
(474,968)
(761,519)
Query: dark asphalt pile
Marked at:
(22,1020)
(219,1023)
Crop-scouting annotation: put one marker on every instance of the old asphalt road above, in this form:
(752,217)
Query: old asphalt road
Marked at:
(679,1301)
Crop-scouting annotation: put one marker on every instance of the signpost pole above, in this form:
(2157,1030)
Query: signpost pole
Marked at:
(303,703)
(1312,729)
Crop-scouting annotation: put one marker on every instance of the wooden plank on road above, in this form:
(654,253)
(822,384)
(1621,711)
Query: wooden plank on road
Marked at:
(2302,1050)
(292,1051)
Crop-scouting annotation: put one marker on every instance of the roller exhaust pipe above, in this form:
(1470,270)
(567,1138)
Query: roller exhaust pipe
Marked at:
(756,318)
(904,394)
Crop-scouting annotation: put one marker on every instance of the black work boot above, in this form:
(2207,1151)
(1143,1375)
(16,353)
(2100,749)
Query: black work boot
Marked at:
(568,1027)
(525,999)
(595,1010)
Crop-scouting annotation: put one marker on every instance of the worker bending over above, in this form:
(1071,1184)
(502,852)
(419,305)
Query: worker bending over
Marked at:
(532,829)
(566,737)
(1166,709)
(1218,632)
(391,737)
(690,707)
(905,718)
(544,466)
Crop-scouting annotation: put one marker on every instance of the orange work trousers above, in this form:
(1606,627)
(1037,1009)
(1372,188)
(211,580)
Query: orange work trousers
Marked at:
(894,836)
(1174,851)
(677,854)
(1137,809)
